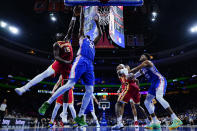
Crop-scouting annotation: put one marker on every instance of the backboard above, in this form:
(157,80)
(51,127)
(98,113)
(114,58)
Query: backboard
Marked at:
(109,3)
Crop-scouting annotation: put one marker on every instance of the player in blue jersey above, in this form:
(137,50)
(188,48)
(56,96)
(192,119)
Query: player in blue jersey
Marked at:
(157,90)
(82,68)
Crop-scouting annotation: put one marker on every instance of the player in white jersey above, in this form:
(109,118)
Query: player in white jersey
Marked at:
(156,90)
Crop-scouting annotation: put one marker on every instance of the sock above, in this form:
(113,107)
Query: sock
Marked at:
(72,110)
(173,116)
(147,121)
(39,78)
(119,119)
(135,118)
(61,91)
(155,120)
(65,106)
(55,110)
(86,99)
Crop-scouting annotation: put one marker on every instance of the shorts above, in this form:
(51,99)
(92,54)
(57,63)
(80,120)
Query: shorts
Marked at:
(63,69)
(90,107)
(82,68)
(158,87)
(132,91)
(67,97)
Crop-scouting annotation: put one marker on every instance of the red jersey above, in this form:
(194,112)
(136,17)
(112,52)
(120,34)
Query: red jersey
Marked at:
(127,83)
(66,50)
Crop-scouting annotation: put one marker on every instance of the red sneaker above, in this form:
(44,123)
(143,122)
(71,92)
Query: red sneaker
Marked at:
(136,124)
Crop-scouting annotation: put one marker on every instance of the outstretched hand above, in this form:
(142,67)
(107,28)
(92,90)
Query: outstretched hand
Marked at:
(96,18)
(77,10)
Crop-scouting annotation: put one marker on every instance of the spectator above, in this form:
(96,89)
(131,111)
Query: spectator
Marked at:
(3,111)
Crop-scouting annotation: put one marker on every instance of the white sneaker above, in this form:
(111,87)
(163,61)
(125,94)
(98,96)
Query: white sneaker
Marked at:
(98,125)
(118,126)
(20,91)
(64,117)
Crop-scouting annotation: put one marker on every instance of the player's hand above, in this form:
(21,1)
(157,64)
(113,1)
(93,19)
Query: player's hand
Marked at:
(96,18)
(76,10)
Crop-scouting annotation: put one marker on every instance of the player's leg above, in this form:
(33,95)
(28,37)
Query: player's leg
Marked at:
(71,105)
(134,111)
(141,109)
(159,96)
(72,110)
(55,110)
(94,115)
(85,101)
(88,78)
(50,71)
(150,107)
(65,106)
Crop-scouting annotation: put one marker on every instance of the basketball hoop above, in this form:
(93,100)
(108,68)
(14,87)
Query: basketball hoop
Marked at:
(103,13)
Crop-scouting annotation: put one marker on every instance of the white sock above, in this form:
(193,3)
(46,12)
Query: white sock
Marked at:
(65,106)
(147,121)
(155,120)
(119,119)
(86,99)
(135,118)
(39,78)
(72,110)
(61,91)
(55,110)
(173,116)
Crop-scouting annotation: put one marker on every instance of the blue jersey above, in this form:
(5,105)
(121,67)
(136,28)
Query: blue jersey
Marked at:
(152,74)
(87,48)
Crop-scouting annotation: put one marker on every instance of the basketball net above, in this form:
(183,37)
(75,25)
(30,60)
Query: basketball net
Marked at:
(104,14)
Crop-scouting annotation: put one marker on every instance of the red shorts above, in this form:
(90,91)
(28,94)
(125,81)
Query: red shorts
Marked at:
(132,91)
(63,69)
(67,97)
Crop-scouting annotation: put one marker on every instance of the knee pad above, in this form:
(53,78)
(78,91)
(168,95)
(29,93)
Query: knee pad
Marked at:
(163,102)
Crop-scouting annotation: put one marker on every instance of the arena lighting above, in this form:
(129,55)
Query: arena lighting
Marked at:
(153,19)
(53,18)
(193,29)
(154,14)
(3,24)
(13,29)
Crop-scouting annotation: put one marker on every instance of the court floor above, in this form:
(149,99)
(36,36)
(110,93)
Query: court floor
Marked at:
(185,128)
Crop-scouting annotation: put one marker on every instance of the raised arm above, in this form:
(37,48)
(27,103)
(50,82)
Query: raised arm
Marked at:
(71,25)
(81,29)
(57,84)
(56,52)
(146,63)
(96,40)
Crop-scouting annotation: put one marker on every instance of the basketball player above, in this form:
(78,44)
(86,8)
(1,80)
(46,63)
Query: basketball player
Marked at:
(90,109)
(157,89)
(63,55)
(67,100)
(130,92)
(82,68)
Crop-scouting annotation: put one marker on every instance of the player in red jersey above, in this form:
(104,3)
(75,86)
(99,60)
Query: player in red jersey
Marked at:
(66,100)
(130,92)
(63,54)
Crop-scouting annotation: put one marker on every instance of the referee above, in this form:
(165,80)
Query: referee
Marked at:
(3,111)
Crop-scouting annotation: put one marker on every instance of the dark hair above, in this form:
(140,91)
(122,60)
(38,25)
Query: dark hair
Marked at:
(148,56)
(59,36)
